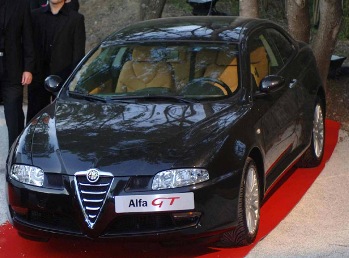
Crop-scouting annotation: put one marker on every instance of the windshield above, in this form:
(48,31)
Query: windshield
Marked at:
(186,71)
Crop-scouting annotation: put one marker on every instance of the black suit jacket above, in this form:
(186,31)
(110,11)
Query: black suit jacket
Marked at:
(19,48)
(68,45)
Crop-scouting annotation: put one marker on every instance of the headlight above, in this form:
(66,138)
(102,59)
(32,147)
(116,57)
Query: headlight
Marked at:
(179,177)
(27,174)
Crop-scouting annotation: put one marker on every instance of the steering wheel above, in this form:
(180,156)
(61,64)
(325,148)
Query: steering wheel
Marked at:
(206,86)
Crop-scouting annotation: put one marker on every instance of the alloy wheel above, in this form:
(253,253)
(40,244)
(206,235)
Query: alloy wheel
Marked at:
(318,131)
(252,200)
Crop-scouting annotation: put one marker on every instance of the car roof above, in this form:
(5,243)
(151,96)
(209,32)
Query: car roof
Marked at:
(191,28)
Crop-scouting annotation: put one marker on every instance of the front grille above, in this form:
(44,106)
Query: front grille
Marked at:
(92,196)
(148,223)
(140,223)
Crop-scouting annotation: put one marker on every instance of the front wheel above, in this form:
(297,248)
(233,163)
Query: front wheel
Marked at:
(248,209)
(313,155)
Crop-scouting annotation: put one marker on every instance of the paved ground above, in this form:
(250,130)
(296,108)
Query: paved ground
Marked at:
(317,227)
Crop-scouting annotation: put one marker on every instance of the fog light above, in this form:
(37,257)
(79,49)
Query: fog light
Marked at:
(186,219)
(185,215)
(20,210)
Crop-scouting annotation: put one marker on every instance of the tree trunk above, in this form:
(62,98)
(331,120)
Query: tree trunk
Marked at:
(249,8)
(103,17)
(151,9)
(298,19)
(325,40)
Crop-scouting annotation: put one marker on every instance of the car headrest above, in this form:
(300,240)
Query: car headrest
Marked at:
(225,58)
(147,54)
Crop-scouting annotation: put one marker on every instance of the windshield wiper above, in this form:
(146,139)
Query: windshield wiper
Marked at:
(156,97)
(86,96)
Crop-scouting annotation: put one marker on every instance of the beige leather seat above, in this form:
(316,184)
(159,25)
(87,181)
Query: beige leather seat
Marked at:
(183,72)
(181,67)
(204,59)
(145,70)
(259,64)
(224,69)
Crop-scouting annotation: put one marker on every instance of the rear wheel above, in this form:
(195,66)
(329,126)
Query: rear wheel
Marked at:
(248,209)
(313,156)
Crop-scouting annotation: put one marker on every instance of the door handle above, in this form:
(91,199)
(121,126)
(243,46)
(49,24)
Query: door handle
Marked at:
(293,83)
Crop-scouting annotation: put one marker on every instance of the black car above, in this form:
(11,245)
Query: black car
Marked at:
(170,129)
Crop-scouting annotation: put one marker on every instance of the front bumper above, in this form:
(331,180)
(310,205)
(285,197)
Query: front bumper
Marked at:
(42,212)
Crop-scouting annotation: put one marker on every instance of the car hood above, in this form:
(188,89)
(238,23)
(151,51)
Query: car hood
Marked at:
(123,138)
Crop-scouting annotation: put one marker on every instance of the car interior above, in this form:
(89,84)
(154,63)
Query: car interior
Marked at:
(146,69)
(172,69)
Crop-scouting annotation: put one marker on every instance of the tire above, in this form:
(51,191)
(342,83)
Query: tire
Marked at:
(314,154)
(248,209)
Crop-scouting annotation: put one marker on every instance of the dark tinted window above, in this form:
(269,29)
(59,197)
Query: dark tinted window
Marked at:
(284,47)
(269,50)
(264,57)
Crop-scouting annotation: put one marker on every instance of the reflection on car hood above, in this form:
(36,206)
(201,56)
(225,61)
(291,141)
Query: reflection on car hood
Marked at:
(125,139)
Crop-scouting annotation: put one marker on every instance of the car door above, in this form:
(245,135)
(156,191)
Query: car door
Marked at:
(279,108)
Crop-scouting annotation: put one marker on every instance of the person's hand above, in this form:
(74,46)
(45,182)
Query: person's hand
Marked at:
(27,78)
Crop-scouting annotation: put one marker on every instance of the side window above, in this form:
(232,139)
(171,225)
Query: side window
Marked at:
(269,50)
(284,47)
(262,58)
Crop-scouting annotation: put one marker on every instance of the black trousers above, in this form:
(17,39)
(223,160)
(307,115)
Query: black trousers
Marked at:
(38,98)
(12,94)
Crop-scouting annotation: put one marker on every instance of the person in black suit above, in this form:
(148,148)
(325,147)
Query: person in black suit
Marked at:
(17,58)
(59,42)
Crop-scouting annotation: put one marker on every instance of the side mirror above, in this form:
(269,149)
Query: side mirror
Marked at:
(53,83)
(271,83)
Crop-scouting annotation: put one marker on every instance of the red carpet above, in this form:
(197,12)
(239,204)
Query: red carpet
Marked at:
(274,210)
